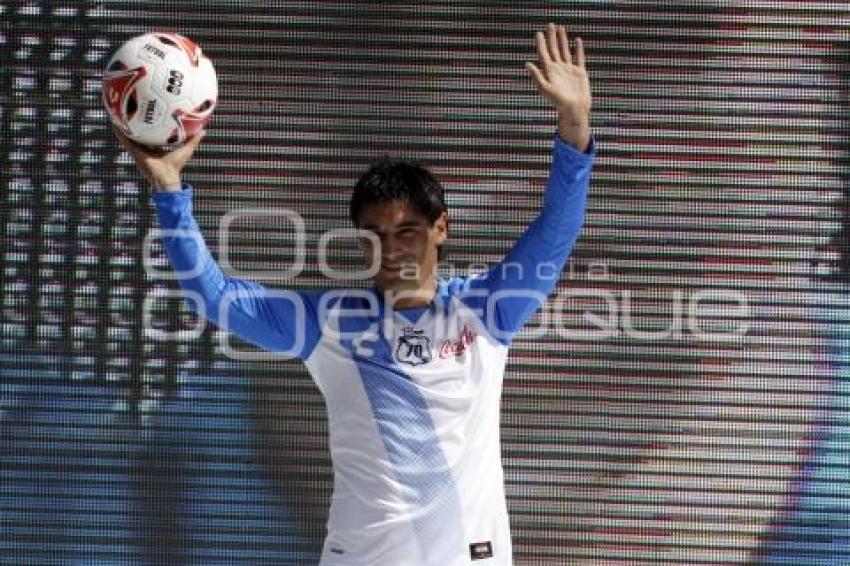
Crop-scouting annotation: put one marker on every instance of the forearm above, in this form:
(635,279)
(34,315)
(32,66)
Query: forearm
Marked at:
(575,129)
(190,258)
(530,270)
(549,239)
(276,320)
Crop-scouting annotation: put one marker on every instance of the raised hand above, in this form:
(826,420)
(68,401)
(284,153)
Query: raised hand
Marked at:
(161,169)
(562,78)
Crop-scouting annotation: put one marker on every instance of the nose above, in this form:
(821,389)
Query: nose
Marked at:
(390,247)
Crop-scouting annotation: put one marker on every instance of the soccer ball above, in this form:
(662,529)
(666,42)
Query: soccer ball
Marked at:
(159,89)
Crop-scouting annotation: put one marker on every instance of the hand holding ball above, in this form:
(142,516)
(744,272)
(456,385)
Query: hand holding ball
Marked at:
(159,89)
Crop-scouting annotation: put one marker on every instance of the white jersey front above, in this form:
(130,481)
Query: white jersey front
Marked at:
(413,408)
(412,396)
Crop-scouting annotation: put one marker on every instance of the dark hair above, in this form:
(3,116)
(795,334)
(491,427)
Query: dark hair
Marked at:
(390,180)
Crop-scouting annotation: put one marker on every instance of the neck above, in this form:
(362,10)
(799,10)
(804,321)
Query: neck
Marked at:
(410,298)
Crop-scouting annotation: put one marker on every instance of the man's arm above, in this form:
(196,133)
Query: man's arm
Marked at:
(517,286)
(280,321)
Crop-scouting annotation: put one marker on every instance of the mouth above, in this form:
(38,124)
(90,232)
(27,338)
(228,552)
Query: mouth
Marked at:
(400,270)
(396,264)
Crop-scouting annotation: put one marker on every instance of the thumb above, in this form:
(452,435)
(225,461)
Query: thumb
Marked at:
(192,143)
(536,76)
(183,153)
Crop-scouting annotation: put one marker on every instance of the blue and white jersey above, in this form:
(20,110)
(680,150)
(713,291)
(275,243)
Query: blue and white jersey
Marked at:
(413,396)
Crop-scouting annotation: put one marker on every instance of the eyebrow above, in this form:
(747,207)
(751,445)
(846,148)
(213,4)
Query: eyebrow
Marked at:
(400,226)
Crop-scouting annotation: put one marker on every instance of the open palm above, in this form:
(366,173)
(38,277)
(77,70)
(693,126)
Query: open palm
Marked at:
(562,78)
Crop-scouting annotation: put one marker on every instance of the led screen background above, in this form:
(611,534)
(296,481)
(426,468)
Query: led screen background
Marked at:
(682,397)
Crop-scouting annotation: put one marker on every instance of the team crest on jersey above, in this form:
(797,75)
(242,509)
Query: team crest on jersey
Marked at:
(413,348)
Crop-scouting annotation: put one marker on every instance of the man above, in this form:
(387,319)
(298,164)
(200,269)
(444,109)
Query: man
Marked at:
(410,369)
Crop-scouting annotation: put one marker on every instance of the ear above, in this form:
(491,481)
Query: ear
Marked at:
(442,228)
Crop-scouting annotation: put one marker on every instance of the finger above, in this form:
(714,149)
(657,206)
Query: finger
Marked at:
(564,44)
(542,49)
(193,141)
(536,76)
(552,40)
(135,150)
(183,153)
(122,139)
(580,60)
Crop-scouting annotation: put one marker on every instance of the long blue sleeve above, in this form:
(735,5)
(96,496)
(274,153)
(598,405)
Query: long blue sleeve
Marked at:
(276,320)
(515,288)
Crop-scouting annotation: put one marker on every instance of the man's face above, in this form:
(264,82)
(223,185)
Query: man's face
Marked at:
(408,245)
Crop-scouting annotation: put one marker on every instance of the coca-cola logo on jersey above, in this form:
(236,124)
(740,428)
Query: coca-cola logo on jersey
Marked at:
(453,348)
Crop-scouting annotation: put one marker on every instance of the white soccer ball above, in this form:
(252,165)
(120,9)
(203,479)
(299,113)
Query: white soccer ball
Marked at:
(159,89)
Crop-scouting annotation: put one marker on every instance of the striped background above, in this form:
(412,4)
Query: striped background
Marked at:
(689,422)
